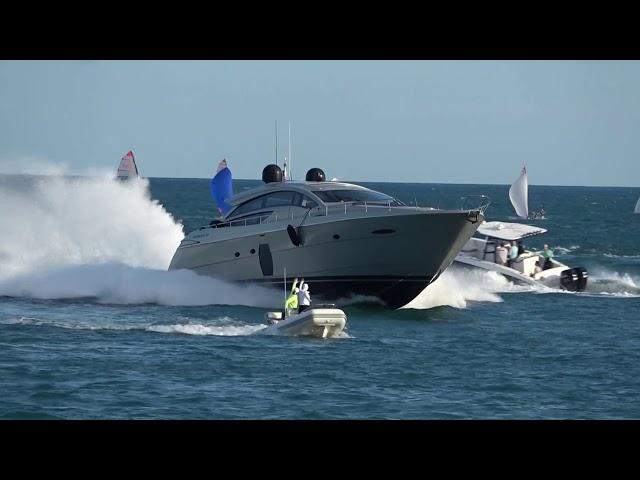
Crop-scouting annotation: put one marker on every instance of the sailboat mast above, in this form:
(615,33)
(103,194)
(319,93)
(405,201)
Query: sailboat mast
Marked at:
(135,166)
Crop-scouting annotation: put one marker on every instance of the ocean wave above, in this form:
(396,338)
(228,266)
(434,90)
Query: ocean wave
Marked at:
(625,257)
(199,329)
(222,326)
(219,326)
(564,250)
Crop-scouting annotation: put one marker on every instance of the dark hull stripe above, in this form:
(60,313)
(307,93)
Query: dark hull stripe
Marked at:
(395,292)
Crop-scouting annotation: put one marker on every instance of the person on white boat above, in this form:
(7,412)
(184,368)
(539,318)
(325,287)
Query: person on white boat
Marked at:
(536,269)
(545,257)
(501,254)
(513,252)
(304,299)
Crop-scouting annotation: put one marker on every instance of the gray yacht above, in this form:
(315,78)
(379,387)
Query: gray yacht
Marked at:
(344,239)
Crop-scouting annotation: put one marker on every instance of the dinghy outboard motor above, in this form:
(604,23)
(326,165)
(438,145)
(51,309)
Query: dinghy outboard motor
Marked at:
(271,173)
(315,175)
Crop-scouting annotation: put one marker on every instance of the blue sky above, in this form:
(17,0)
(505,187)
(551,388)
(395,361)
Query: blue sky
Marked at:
(570,122)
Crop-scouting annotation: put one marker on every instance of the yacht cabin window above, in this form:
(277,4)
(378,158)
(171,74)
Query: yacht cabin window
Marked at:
(275,199)
(369,196)
(278,199)
(250,206)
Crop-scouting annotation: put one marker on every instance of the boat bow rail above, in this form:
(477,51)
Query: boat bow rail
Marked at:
(475,202)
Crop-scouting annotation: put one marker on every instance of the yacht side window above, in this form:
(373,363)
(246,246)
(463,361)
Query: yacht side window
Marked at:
(250,206)
(302,201)
(278,199)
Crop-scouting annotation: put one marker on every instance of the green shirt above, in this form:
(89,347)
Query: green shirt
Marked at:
(546,253)
(292,301)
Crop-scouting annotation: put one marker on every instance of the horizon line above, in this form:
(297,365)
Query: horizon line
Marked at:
(343,181)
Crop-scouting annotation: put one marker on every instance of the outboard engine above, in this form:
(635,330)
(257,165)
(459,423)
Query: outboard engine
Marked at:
(315,175)
(582,278)
(271,173)
(569,280)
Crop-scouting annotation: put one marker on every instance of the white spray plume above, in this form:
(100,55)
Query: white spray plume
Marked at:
(457,286)
(59,221)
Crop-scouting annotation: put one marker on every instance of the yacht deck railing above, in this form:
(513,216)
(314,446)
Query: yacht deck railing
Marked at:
(336,209)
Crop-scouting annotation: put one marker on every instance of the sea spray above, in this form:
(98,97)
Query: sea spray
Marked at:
(604,281)
(458,286)
(122,284)
(58,221)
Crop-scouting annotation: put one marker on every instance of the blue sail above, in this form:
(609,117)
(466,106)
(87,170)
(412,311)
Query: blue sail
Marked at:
(221,187)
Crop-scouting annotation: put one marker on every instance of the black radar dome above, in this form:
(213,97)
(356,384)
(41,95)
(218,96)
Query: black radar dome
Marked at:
(315,175)
(271,173)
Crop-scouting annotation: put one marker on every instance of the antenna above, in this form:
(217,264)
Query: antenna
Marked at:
(276,142)
(285,285)
(290,176)
(284,170)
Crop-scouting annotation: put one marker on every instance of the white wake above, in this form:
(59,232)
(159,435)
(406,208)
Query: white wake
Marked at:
(122,284)
(219,326)
(457,286)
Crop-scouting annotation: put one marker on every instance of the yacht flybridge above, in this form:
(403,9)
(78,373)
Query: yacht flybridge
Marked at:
(527,268)
(344,239)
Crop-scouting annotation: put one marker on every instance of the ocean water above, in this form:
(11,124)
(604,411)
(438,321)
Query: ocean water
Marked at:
(92,326)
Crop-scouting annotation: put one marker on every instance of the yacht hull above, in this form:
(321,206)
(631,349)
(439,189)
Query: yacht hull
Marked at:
(392,257)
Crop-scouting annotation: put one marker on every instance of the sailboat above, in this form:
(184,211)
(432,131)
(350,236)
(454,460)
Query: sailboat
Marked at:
(128,168)
(637,209)
(519,194)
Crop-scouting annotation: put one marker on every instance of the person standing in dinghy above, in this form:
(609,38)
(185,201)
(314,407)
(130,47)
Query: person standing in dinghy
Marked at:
(292,300)
(304,299)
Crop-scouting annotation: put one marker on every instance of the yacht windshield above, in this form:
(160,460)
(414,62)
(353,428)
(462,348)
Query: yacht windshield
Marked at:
(369,196)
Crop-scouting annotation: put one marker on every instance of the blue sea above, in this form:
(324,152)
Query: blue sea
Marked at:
(92,326)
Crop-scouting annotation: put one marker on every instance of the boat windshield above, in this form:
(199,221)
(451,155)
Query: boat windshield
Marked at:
(369,196)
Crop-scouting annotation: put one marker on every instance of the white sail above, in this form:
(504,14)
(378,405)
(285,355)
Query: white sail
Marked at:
(127,168)
(519,194)
(637,210)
